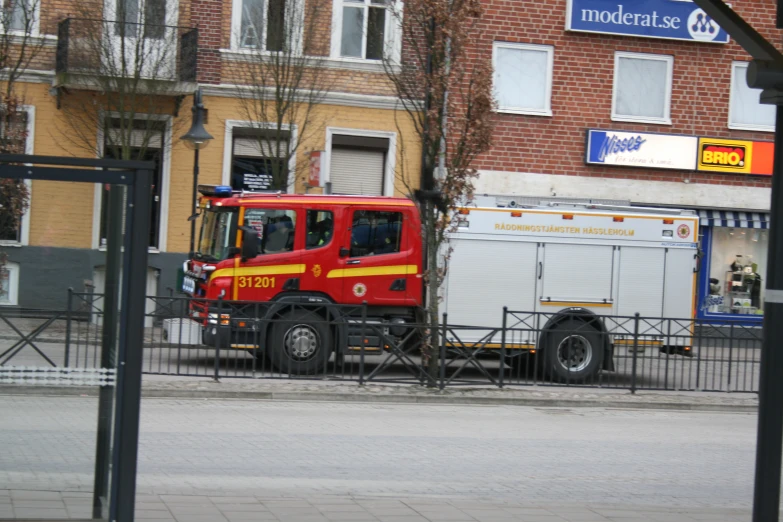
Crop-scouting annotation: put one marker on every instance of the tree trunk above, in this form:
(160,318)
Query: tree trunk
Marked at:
(433,288)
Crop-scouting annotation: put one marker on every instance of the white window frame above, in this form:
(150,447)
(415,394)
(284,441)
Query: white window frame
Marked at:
(13,284)
(550,50)
(36,26)
(228,148)
(392,31)
(736,68)
(29,148)
(236,29)
(669,60)
(391,155)
(163,233)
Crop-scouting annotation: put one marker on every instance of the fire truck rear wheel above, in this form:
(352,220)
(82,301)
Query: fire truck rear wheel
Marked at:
(300,343)
(573,352)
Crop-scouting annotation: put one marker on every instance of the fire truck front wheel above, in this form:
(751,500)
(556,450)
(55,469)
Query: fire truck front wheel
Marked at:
(300,343)
(573,351)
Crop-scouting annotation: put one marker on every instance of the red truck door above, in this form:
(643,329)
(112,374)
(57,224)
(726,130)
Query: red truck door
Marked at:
(321,254)
(378,265)
(280,233)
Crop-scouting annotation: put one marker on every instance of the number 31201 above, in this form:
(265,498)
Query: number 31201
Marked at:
(256,282)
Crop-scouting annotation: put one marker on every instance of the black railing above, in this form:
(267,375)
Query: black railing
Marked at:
(109,50)
(276,341)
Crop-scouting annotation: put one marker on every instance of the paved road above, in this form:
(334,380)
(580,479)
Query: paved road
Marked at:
(514,454)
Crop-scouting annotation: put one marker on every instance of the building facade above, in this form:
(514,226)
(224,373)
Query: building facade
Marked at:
(644,104)
(363,142)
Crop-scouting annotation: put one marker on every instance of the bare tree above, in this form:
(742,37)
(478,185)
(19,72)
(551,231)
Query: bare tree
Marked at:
(121,77)
(448,96)
(19,48)
(282,79)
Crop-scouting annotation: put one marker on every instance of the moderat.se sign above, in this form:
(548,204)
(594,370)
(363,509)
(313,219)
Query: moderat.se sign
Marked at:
(668,19)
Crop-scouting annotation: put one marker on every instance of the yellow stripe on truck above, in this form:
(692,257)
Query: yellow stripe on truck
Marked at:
(259,270)
(373,271)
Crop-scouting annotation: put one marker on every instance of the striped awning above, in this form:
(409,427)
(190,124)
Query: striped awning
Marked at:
(725,218)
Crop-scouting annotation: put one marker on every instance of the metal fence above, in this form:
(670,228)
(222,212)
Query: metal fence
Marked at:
(268,341)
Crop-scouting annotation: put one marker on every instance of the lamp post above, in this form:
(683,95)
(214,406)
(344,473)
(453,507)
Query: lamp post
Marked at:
(196,138)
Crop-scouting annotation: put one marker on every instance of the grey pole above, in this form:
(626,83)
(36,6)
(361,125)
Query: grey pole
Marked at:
(131,339)
(108,347)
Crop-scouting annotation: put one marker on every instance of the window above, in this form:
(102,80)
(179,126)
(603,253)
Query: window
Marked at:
(128,17)
(358,165)
(261,24)
(13,140)
(738,266)
(254,161)
(365,28)
(145,144)
(642,88)
(22,15)
(745,110)
(375,233)
(320,228)
(275,228)
(9,285)
(523,78)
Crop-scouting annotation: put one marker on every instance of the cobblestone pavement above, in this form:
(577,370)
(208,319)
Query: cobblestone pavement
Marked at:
(217,459)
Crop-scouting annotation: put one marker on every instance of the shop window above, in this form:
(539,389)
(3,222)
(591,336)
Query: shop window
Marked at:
(745,110)
(258,160)
(738,267)
(375,233)
(523,78)
(642,88)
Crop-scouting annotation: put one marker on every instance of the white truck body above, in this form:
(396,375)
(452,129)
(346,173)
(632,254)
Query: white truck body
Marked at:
(611,261)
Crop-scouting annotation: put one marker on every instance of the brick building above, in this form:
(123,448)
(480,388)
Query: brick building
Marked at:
(61,241)
(641,103)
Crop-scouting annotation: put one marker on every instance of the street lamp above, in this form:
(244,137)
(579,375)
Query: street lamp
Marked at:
(197,138)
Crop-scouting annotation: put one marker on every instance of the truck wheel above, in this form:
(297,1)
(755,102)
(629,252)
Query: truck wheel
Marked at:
(574,351)
(300,343)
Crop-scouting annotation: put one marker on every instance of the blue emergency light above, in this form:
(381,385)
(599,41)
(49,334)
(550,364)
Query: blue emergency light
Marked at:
(216,191)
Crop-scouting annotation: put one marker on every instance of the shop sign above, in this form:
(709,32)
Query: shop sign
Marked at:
(668,19)
(634,149)
(736,156)
(316,162)
(256,181)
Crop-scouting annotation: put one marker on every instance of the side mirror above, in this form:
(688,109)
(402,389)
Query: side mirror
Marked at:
(249,243)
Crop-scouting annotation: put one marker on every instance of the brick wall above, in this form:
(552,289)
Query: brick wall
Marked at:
(582,92)
(207,16)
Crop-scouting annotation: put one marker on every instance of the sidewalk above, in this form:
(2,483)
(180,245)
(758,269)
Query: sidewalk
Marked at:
(155,386)
(178,508)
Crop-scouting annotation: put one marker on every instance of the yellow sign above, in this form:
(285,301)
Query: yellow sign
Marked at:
(725,155)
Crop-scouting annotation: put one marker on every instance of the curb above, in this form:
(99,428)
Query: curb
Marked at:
(165,393)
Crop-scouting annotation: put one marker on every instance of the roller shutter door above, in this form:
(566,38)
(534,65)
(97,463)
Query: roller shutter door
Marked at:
(357,171)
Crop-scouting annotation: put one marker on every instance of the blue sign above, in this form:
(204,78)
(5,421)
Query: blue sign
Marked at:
(669,19)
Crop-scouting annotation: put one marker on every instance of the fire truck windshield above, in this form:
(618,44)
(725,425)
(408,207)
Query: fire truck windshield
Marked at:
(218,227)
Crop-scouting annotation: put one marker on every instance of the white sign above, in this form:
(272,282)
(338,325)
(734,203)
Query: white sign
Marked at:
(635,149)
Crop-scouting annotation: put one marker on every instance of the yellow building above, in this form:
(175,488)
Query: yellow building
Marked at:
(74,97)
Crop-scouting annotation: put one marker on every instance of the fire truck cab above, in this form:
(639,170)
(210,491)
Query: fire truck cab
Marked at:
(309,249)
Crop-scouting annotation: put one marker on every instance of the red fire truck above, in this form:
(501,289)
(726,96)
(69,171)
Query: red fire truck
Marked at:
(309,250)
(572,264)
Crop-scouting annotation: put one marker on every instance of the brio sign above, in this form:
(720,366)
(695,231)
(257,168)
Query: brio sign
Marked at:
(725,155)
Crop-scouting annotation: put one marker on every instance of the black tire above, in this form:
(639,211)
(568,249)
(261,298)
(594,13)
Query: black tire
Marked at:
(300,343)
(574,351)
